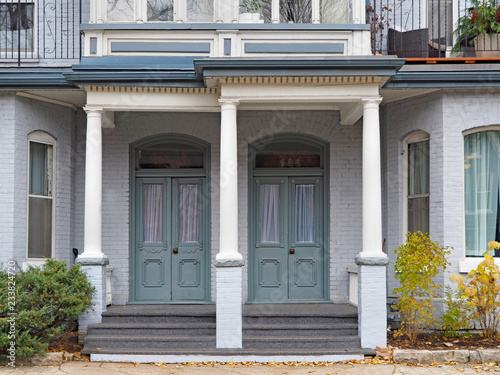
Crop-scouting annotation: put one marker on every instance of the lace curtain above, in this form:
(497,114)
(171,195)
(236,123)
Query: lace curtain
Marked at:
(153,213)
(269,213)
(304,213)
(188,213)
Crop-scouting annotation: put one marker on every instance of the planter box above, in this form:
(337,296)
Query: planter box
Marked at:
(487,45)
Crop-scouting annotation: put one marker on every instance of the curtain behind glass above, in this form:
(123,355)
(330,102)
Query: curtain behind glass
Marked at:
(38,168)
(418,168)
(304,213)
(153,213)
(188,213)
(269,213)
(481,172)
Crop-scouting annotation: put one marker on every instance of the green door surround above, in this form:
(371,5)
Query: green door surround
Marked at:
(171,272)
(268,260)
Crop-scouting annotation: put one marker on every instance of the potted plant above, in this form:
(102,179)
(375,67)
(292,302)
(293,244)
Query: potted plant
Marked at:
(251,11)
(479,27)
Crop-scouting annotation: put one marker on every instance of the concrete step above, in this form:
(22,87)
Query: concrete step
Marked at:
(299,330)
(92,342)
(154,329)
(148,314)
(280,342)
(298,320)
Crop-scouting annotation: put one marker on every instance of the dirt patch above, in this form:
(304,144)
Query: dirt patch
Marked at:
(67,343)
(437,341)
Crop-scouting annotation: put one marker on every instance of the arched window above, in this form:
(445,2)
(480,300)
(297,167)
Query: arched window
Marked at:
(417,184)
(170,155)
(481,189)
(41,187)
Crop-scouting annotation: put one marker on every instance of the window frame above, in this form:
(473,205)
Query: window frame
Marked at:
(41,137)
(12,53)
(414,137)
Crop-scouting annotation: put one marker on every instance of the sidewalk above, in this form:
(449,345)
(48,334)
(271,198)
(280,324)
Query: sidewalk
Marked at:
(96,368)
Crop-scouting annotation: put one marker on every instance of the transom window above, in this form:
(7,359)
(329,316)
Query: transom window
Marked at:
(293,154)
(40,195)
(481,190)
(169,156)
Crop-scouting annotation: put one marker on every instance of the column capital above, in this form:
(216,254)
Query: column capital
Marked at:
(367,101)
(229,102)
(91,110)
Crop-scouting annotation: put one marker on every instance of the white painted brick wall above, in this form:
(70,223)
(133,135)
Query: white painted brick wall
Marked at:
(21,116)
(345,182)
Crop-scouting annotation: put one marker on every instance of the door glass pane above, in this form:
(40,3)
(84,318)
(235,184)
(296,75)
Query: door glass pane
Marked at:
(160,10)
(153,213)
(200,10)
(304,213)
(288,155)
(188,213)
(269,213)
(40,228)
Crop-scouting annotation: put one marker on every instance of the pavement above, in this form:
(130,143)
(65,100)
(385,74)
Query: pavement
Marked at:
(347,368)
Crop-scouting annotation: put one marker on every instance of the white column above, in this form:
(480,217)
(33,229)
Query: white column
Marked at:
(358,11)
(228,183)
(228,261)
(93,260)
(275,11)
(372,188)
(315,11)
(93,186)
(372,261)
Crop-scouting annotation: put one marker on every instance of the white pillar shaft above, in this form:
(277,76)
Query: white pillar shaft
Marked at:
(93,186)
(372,191)
(228,183)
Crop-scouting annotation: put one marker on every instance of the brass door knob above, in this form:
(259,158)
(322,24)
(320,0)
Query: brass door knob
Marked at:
(292,251)
(175,250)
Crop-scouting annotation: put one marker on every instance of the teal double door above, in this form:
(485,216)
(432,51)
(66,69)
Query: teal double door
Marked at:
(170,260)
(287,256)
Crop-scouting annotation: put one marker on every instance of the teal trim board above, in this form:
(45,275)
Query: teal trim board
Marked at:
(337,48)
(136,47)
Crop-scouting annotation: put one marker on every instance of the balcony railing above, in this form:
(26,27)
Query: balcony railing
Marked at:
(428,28)
(35,30)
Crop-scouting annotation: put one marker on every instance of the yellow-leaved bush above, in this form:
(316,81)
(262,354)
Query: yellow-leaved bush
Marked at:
(419,260)
(481,290)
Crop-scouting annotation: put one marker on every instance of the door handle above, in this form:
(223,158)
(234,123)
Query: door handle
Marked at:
(292,251)
(175,250)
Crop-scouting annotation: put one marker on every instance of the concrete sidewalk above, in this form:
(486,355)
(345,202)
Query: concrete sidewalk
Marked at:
(96,368)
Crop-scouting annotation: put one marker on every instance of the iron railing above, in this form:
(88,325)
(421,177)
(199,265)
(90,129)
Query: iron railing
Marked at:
(431,28)
(34,30)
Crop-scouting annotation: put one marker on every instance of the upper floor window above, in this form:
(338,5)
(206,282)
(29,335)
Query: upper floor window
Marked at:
(418,192)
(481,190)
(16,26)
(40,195)
(160,10)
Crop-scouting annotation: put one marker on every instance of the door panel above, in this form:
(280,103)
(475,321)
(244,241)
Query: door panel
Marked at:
(270,254)
(152,258)
(288,255)
(170,261)
(306,264)
(189,267)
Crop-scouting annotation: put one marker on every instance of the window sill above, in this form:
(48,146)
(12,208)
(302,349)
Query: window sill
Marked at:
(471,263)
(33,263)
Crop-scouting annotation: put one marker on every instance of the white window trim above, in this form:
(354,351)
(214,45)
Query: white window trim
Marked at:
(414,137)
(41,137)
(470,263)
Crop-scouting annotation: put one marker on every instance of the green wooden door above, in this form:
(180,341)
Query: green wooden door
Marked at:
(170,261)
(288,252)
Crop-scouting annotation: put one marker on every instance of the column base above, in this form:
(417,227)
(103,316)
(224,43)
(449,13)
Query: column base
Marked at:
(96,274)
(372,309)
(228,307)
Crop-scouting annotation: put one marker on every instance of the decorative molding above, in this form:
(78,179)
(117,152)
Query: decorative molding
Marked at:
(323,81)
(155,90)
(372,261)
(229,263)
(302,48)
(92,261)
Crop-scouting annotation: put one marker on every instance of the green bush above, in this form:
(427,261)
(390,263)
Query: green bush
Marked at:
(48,299)
(419,260)
(456,316)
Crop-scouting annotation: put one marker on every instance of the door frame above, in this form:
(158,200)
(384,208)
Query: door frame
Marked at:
(323,172)
(170,173)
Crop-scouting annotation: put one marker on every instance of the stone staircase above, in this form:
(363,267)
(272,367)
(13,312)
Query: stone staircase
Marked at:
(190,329)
